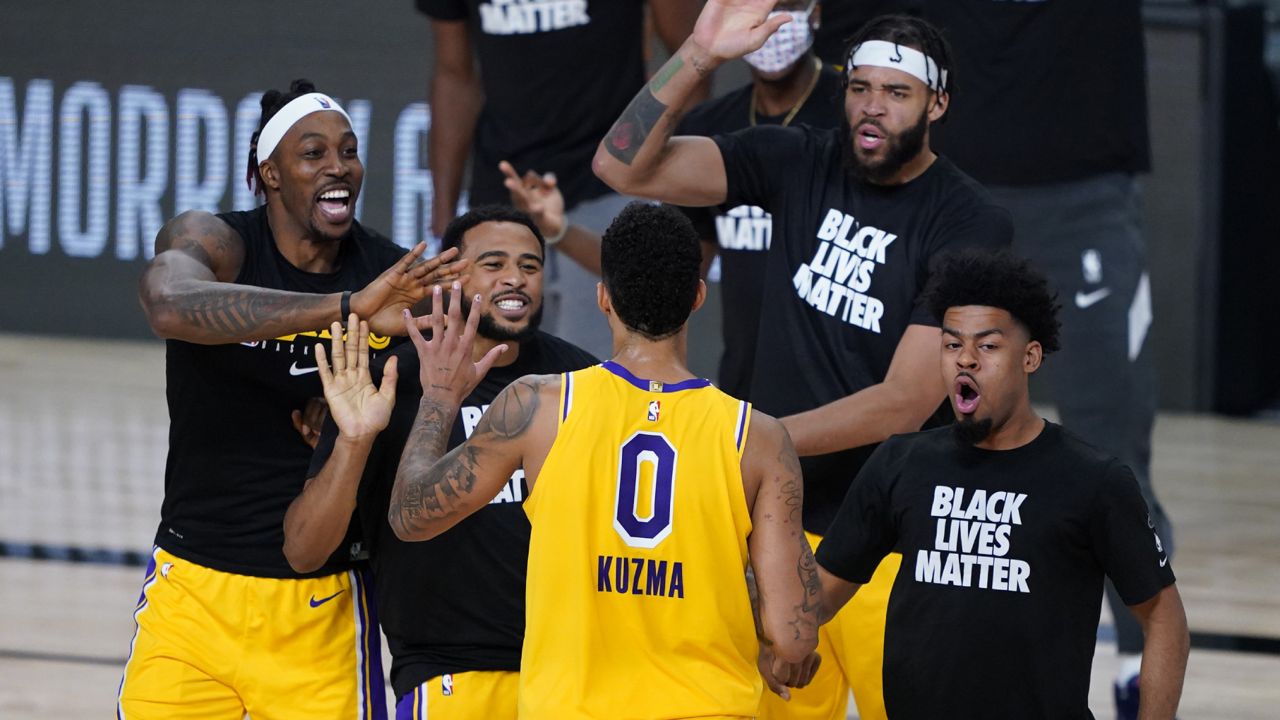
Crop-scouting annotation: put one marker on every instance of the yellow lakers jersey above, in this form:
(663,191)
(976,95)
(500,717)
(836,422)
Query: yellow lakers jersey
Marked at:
(637,605)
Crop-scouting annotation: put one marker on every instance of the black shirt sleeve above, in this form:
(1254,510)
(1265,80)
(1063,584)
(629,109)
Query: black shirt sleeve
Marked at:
(324,447)
(863,532)
(443,9)
(1124,541)
(756,161)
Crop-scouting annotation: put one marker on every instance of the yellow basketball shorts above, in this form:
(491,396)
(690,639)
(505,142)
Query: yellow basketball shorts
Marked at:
(215,645)
(476,695)
(852,650)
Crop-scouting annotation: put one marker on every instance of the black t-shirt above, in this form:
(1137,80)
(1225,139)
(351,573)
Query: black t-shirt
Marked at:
(994,613)
(742,233)
(556,74)
(1048,91)
(235,460)
(454,603)
(844,282)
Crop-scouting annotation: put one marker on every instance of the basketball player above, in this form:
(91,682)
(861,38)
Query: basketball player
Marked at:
(452,608)
(650,494)
(1008,525)
(850,356)
(789,86)
(224,625)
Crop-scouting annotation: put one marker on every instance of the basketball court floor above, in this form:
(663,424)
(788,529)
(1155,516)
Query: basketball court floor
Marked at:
(82,447)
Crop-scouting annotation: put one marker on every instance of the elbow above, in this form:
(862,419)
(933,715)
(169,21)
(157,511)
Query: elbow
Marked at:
(405,533)
(300,560)
(613,173)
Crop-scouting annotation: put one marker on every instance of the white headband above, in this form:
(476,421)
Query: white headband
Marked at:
(289,115)
(879,53)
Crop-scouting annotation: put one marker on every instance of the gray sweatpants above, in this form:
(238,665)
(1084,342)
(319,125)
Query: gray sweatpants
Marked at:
(570,295)
(1087,236)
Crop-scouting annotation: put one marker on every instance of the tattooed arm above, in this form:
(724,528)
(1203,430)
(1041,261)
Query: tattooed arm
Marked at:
(785,571)
(188,291)
(639,156)
(433,493)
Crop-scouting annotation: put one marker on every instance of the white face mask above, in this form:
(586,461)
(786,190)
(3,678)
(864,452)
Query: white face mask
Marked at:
(786,45)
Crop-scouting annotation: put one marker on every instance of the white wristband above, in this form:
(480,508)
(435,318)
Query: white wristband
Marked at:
(553,240)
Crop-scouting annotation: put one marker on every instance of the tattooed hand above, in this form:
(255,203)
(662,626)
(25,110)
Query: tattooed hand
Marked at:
(358,408)
(404,285)
(447,371)
(729,29)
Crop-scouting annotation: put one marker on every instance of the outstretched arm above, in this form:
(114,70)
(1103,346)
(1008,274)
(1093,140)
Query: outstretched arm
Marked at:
(911,391)
(432,490)
(639,156)
(187,290)
(785,571)
(317,520)
(1164,653)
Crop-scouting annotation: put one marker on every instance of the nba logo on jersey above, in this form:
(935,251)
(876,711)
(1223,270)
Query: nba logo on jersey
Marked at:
(654,407)
(446,684)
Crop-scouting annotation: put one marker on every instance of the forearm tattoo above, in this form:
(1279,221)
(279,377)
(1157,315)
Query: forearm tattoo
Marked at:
(429,487)
(808,613)
(628,134)
(238,313)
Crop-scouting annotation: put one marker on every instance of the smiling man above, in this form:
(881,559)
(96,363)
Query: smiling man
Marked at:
(240,298)
(846,355)
(452,608)
(1008,525)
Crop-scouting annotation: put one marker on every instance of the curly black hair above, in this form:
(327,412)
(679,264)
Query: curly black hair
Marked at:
(651,261)
(272,101)
(998,279)
(910,32)
(459,226)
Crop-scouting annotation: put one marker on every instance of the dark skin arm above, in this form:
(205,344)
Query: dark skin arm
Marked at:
(317,520)
(455,97)
(836,591)
(911,391)
(1164,653)
(673,22)
(433,490)
(188,292)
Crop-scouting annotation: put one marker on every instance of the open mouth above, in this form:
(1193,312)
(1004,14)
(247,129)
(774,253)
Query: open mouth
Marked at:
(335,205)
(967,395)
(869,137)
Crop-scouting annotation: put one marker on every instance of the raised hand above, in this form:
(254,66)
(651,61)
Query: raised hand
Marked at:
(359,409)
(447,371)
(404,285)
(537,195)
(728,29)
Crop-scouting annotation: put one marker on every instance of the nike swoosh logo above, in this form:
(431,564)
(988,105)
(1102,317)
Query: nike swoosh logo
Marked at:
(1084,300)
(295,370)
(318,603)
(1164,561)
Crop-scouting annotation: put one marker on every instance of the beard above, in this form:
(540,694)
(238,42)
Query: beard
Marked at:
(489,327)
(900,149)
(971,432)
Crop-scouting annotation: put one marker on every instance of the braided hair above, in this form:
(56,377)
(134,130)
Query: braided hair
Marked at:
(911,32)
(272,101)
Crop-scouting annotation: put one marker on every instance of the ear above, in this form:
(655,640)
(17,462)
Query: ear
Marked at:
(941,101)
(602,299)
(1033,356)
(270,175)
(815,18)
(700,297)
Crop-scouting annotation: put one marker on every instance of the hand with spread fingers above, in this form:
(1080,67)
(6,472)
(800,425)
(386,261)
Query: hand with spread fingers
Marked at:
(537,195)
(359,409)
(728,29)
(447,370)
(403,286)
